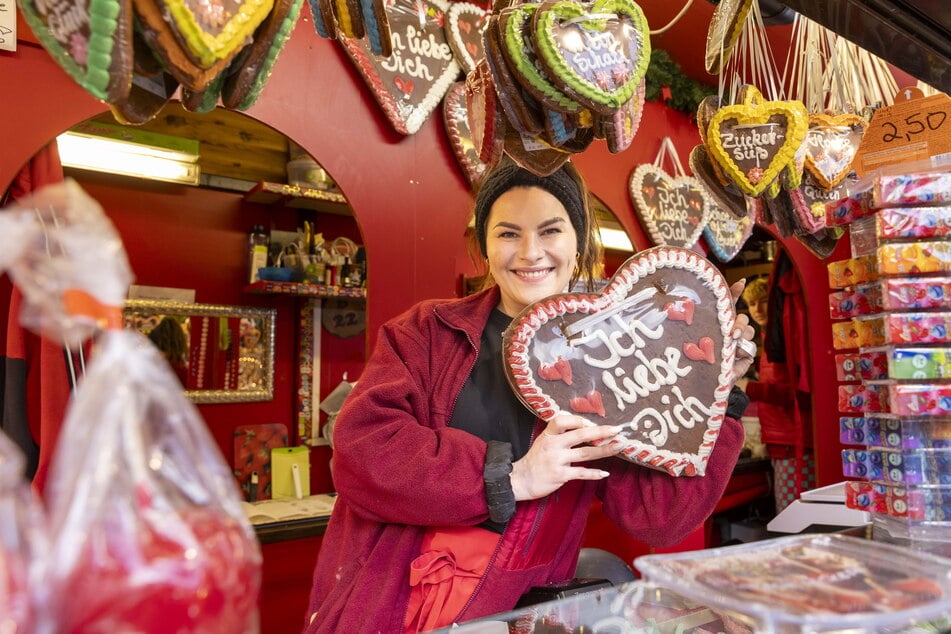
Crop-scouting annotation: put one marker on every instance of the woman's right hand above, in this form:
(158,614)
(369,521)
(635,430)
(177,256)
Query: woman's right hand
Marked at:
(553,458)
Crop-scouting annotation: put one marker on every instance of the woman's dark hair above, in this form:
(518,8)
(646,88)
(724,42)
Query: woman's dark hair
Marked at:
(565,184)
(169,337)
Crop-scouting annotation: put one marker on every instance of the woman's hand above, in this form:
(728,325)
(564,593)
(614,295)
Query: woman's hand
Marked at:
(550,461)
(743,333)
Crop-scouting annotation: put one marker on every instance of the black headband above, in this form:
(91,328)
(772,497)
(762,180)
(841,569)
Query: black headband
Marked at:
(559,184)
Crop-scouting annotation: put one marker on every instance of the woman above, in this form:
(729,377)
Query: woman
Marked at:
(454,499)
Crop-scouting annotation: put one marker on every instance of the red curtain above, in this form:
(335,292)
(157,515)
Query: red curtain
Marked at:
(36,383)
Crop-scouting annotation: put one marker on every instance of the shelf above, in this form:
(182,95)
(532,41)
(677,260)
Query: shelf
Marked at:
(299,197)
(266,287)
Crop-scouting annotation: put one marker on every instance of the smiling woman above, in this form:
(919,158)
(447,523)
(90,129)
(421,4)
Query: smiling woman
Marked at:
(222,354)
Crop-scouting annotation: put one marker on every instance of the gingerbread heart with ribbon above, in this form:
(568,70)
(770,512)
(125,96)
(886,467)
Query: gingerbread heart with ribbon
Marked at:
(673,209)
(831,145)
(409,84)
(753,143)
(456,120)
(597,54)
(652,353)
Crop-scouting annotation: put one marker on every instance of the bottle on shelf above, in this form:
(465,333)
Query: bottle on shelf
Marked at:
(258,244)
(345,280)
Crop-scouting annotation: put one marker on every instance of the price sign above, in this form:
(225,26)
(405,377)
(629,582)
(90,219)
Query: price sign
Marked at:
(8,25)
(344,317)
(906,131)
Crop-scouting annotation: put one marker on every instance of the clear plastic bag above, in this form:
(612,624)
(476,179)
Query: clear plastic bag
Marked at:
(148,530)
(22,536)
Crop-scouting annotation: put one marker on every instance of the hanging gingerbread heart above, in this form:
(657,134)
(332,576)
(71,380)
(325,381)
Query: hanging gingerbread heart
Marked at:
(410,83)
(456,119)
(726,234)
(831,145)
(91,41)
(596,54)
(725,196)
(653,353)
(754,143)
(465,24)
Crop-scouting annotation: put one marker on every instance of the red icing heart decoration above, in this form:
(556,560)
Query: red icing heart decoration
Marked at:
(410,83)
(456,119)
(627,349)
(673,210)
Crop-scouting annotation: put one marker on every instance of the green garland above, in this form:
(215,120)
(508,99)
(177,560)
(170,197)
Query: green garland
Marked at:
(685,93)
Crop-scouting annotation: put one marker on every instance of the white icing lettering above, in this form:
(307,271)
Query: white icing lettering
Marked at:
(688,411)
(419,47)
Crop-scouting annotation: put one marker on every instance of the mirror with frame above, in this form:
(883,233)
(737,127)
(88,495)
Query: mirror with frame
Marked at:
(221,354)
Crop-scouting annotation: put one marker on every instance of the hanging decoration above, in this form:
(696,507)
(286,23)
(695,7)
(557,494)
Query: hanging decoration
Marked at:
(673,209)
(726,234)
(465,25)
(410,83)
(456,120)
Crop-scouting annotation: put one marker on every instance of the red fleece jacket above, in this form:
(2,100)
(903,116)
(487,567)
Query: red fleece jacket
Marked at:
(399,468)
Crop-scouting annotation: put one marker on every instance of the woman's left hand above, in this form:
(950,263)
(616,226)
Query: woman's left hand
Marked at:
(743,333)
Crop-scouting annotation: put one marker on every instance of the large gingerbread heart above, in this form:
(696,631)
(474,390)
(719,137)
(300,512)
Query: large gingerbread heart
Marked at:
(653,353)
(831,145)
(456,119)
(597,55)
(672,209)
(726,234)
(411,82)
(465,24)
(754,143)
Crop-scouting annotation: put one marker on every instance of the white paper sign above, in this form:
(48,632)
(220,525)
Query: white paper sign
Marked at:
(8,25)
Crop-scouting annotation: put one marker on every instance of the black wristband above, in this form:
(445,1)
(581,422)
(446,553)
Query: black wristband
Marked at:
(498,483)
(737,403)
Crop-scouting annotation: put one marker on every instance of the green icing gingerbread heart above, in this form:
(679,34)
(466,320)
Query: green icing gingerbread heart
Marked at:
(519,49)
(598,54)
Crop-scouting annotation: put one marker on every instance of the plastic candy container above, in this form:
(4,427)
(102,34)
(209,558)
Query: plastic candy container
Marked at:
(858,399)
(911,190)
(861,366)
(862,300)
(913,466)
(858,333)
(846,273)
(900,258)
(920,400)
(919,363)
(846,210)
(915,293)
(860,430)
(904,328)
(913,222)
(931,502)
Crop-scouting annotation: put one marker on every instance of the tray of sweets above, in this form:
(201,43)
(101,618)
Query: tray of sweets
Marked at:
(865,299)
(915,293)
(903,258)
(846,273)
(912,222)
(809,583)
(925,399)
(930,502)
(895,432)
(867,332)
(915,363)
(910,190)
(861,399)
(867,365)
(897,466)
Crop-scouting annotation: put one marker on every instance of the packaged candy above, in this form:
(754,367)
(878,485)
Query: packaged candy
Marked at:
(920,399)
(861,366)
(863,463)
(846,273)
(862,237)
(898,258)
(918,502)
(846,210)
(860,430)
(898,466)
(912,433)
(911,293)
(904,328)
(864,299)
(847,367)
(858,333)
(919,363)
(859,399)
(910,190)
(911,222)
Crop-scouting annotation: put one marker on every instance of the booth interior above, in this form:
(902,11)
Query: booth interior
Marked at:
(402,204)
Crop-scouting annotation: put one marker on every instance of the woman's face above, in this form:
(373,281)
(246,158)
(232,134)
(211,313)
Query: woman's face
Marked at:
(531,247)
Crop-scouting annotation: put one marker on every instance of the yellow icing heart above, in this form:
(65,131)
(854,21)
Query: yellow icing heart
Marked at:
(752,144)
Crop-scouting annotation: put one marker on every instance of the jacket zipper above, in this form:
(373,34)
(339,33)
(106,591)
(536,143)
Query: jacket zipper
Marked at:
(536,522)
(485,575)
